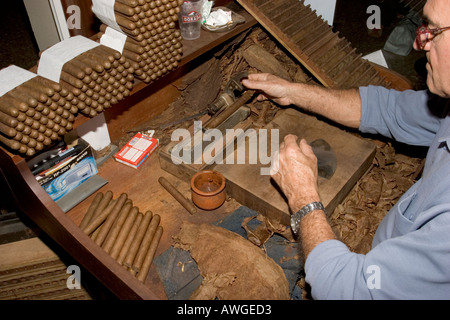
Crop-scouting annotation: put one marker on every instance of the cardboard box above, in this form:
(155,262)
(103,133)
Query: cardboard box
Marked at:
(137,150)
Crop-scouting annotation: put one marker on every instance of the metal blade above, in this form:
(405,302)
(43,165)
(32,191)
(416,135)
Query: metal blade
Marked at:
(326,158)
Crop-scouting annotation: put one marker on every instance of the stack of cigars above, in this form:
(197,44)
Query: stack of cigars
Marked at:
(35,114)
(128,235)
(98,78)
(153,45)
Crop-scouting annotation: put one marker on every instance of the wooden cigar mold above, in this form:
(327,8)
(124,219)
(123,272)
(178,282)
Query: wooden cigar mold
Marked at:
(326,54)
(123,231)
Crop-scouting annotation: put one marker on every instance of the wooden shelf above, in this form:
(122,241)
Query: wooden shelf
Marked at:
(141,185)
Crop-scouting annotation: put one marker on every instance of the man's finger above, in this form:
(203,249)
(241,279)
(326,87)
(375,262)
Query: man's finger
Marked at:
(306,148)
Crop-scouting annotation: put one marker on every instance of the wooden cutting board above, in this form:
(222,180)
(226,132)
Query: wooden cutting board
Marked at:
(260,193)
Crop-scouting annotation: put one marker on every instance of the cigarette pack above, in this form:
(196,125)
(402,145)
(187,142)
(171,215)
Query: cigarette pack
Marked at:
(137,150)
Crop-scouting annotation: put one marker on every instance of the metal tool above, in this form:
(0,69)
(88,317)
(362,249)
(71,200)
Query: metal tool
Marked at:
(326,158)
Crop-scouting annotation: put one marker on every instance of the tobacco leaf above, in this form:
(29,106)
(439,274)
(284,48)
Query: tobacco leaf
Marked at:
(356,219)
(220,253)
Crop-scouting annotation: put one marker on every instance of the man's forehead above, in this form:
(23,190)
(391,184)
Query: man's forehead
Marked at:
(437,12)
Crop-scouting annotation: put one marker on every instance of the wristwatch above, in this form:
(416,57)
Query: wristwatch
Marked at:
(300,214)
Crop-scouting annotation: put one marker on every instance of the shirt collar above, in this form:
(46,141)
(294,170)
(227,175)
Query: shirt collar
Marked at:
(444,142)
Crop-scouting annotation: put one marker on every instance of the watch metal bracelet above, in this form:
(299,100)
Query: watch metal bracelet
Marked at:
(300,214)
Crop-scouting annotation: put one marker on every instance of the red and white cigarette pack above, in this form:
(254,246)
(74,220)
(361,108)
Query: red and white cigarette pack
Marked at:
(137,150)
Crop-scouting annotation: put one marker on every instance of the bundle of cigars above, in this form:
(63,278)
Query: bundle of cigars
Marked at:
(35,113)
(98,78)
(129,236)
(153,45)
(76,77)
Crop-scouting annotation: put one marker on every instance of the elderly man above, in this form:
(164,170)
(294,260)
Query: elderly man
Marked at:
(410,254)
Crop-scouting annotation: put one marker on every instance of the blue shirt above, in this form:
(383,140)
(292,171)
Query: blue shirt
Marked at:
(410,254)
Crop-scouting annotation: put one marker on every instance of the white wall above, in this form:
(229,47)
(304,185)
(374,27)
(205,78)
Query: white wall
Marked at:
(325,8)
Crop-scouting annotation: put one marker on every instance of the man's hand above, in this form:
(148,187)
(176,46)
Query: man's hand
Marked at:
(273,87)
(296,172)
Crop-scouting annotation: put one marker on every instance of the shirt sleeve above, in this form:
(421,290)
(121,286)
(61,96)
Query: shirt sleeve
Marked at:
(412,266)
(402,115)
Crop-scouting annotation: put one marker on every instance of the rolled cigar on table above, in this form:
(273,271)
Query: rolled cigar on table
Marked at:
(129,239)
(107,197)
(145,243)
(106,227)
(123,233)
(128,261)
(98,219)
(186,203)
(117,226)
(143,272)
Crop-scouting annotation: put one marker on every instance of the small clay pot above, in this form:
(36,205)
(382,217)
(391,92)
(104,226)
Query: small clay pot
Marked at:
(208,189)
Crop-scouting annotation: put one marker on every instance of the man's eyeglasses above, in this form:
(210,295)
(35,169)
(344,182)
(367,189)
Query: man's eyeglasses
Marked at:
(425,34)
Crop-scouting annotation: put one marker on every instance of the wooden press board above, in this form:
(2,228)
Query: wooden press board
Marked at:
(259,192)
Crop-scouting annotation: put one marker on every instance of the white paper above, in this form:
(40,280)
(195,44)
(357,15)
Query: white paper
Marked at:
(104,10)
(13,76)
(53,59)
(377,57)
(113,39)
(95,132)
(219,18)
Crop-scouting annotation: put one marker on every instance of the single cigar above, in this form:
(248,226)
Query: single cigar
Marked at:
(117,226)
(186,203)
(72,69)
(98,57)
(130,3)
(137,241)
(124,8)
(12,144)
(19,96)
(145,243)
(126,23)
(130,237)
(9,121)
(8,109)
(123,233)
(10,132)
(75,82)
(98,219)
(109,51)
(148,260)
(97,67)
(108,224)
(40,87)
(107,197)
